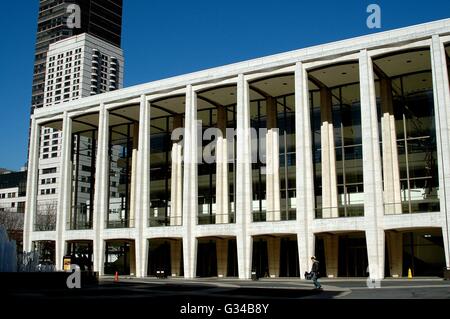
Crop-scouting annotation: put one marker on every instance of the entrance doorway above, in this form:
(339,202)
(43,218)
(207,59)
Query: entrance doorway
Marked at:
(352,259)
(81,253)
(165,254)
(275,256)
(423,253)
(289,263)
(217,257)
(206,259)
(342,254)
(119,257)
(260,263)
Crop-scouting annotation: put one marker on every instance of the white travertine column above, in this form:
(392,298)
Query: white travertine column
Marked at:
(222,198)
(373,182)
(273,252)
(331,244)
(442,117)
(222,257)
(391,172)
(145,190)
(64,196)
(190,190)
(272,163)
(176,180)
(394,242)
(134,163)
(328,155)
(101,188)
(142,180)
(305,174)
(32,183)
(175,257)
(243,178)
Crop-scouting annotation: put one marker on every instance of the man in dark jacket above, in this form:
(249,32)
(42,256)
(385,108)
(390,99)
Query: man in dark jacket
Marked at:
(315,273)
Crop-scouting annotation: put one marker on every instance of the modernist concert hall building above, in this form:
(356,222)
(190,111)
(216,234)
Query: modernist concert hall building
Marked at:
(339,150)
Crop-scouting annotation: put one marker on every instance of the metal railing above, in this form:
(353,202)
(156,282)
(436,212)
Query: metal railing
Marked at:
(165,221)
(428,205)
(213,219)
(274,216)
(79,224)
(44,227)
(355,210)
(119,223)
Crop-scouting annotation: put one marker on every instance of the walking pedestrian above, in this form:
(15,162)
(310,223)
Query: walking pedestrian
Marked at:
(315,273)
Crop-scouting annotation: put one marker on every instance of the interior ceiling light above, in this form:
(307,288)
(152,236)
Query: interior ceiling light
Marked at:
(427,236)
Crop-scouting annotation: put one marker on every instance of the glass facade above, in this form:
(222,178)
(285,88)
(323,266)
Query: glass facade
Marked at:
(411,92)
(348,147)
(337,150)
(207,173)
(416,144)
(216,171)
(258,122)
(84,149)
(272,119)
(162,152)
(286,126)
(121,145)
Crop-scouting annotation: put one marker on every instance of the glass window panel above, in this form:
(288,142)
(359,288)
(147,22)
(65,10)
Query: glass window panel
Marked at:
(84,149)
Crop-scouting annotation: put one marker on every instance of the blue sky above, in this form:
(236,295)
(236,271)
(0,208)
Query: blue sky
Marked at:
(162,38)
